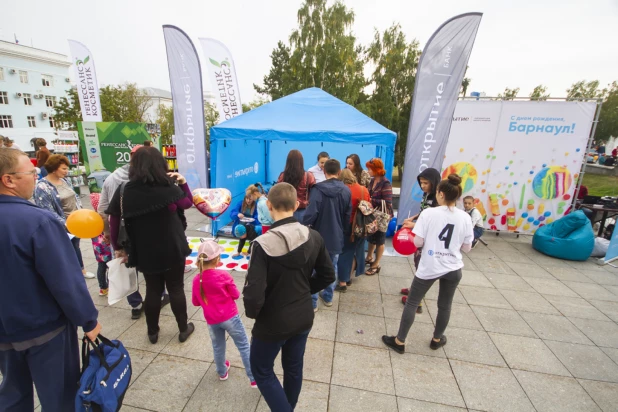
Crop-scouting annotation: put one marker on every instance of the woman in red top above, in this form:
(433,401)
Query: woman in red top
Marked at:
(353,247)
(294,174)
(380,189)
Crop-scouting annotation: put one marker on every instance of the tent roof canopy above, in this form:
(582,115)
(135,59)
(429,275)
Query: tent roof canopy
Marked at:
(307,115)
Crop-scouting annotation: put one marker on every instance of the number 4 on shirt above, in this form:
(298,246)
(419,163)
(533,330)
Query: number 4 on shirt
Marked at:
(446,235)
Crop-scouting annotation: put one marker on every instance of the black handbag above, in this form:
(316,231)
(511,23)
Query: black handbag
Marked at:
(123,236)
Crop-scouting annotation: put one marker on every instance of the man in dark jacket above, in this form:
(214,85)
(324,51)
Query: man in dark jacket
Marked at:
(288,264)
(329,212)
(43,297)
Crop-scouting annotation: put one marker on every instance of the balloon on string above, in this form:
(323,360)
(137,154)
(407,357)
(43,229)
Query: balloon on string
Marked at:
(85,223)
(212,202)
(403,242)
(392,227)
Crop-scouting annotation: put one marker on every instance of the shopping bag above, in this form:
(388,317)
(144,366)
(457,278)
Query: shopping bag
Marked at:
(122,280)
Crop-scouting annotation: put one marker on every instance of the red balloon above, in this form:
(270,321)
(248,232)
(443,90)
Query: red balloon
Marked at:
(403,242)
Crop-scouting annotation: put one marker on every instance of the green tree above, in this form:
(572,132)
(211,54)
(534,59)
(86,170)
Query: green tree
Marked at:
(608,119)
(539,93)
(465,83)
(254,104)
(395,62)
(583,90)
(124,103)
(322,53)
(509,94)
(211,117)
(68,111)
(165,119)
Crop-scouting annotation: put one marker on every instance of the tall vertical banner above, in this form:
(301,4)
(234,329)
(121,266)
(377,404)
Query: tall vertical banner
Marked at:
(222,73)
(188,102)
(438,82)
(87,86)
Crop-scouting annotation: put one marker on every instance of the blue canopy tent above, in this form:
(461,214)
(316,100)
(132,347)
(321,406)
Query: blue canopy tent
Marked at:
(253,147)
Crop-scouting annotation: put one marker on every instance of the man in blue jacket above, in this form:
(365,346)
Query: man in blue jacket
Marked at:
(43,297)
(329,212)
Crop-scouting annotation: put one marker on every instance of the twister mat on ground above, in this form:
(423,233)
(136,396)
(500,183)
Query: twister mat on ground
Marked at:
(228,261)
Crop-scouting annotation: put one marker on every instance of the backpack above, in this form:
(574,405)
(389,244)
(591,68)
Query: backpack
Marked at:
(106,374)
(365,222)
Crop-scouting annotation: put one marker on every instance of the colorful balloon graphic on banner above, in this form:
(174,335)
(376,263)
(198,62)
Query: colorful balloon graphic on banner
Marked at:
(212,202)
(466,171)
(552,182)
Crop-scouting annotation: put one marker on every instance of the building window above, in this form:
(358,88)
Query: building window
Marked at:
(50,101)
(23,76)
(48,81)
(31,121)
(52,122)
(27,99)
(1,73)
(6,121)
(4,98)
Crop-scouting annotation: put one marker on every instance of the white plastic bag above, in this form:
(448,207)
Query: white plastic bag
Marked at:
(122,281)
(600,247)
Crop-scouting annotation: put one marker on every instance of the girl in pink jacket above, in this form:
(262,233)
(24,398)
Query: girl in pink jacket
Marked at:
(214,290)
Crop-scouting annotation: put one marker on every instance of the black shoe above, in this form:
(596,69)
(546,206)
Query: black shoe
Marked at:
(437,345)
(419,309)
(183,336)
(342,289)
(153,338)
(349,283)
(136,313)
(165,301)
(390,342)
(474,243)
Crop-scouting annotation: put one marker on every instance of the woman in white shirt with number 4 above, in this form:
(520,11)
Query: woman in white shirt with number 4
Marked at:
(443,232)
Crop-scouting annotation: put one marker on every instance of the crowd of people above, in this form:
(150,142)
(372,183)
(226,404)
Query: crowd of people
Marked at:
(303,249)
(602,157)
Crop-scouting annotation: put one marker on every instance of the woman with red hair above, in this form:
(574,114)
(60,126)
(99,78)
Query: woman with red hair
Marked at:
(380,189)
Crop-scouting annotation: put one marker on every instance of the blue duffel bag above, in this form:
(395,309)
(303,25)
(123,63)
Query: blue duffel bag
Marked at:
(106,374)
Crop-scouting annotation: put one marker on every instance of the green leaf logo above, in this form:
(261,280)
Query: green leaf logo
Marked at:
(86,59)
(214,62)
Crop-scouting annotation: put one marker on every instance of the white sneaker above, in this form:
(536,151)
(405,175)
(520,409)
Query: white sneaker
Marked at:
(188,268)
(89,275)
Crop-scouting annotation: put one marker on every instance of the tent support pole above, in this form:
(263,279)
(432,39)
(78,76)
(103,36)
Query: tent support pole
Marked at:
(585,162)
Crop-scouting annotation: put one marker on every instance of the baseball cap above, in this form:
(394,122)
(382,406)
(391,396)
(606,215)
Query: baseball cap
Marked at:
(210,248)
(240,230)
(136,148)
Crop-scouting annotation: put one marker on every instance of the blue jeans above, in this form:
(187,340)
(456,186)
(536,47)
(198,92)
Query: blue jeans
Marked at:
(102,275)
(263,355)
(236,330)
(78,251)
(478,232)
(351,251)
(329,290)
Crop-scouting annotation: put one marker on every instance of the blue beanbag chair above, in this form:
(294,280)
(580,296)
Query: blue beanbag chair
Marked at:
(570,237)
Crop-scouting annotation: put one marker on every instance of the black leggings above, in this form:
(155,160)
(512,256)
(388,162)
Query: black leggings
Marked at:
(448,286)
(173,279)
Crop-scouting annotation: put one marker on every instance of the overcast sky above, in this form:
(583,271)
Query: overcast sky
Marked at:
(553,42)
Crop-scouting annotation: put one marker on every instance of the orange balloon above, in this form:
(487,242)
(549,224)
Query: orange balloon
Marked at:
(85,223)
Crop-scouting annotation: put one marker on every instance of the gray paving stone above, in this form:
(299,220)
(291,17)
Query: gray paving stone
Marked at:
(500,245)
(393,286)
(393,309)
(318,360)
(591,291)
(555,327)
(412,405)
(137,335)
(363,368)
(349,325)
(418,338)
(365,284)
(197,347)
(425,378)
(489,388)
(568,274)
(349,399)
(474,278)
(528,354)
(602,277)
(586,362)
(461,315)
(589,265)
(502,321)
(397,269)
(555,393)
(313,397)
(600,332)
(472,346)
(114,321)
(529,302)
(608,308)
(604,394)
(140,359)
(468,264)
(482,253)
(545,261)
(492,266)
(336,300)
(550,287)
(324,325)
(614,290)
(234,394)
(575,308)
(363,303)
(512,256)
(509,282)
(530,270)
(612,353)
(484,297)
(166,384)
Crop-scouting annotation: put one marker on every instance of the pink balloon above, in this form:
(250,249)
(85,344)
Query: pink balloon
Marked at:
(403,242)
(212,202)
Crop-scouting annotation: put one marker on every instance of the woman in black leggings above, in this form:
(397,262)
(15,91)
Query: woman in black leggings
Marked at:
(443,232)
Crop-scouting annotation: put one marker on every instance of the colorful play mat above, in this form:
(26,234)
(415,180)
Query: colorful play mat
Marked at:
(228,262)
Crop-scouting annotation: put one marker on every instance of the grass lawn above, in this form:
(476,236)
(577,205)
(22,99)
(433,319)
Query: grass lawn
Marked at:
(601,185)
